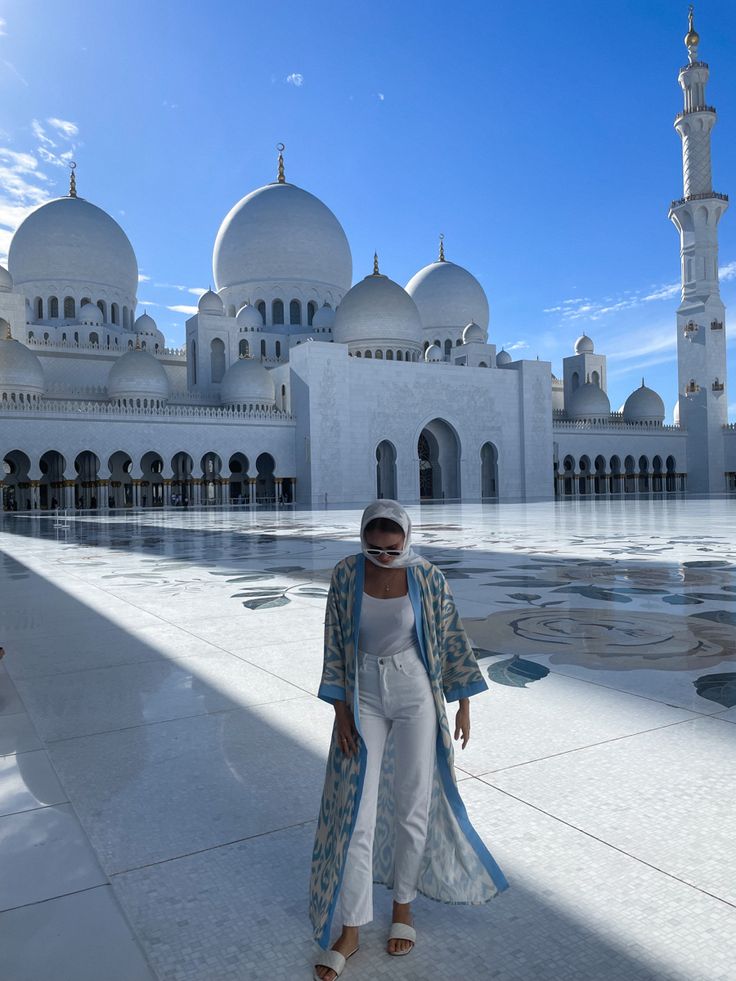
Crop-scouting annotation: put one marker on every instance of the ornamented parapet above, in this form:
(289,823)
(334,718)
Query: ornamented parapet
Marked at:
(53,407)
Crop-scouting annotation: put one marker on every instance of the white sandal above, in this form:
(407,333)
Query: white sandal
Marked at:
(333,960)
(400,931)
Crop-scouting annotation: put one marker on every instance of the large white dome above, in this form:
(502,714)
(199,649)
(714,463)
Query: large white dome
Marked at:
(137,374)
(448,296)
(6,280)
(20,370)
(69,240)
(377,311)
(588,402)
(247,381)
(644,406)
(281,233)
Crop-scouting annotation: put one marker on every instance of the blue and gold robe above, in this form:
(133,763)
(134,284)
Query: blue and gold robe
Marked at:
(457,867)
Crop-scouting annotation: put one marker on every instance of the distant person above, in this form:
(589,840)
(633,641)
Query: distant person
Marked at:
(54,504)
(395,651)
(93,503)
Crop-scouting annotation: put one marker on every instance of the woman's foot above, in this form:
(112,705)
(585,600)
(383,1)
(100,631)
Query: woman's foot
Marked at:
(346,944)
(401,914)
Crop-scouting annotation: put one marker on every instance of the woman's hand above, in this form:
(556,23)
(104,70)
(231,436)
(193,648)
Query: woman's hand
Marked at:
(462,722)
(347,735)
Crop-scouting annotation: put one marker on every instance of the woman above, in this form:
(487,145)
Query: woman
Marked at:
(395,649)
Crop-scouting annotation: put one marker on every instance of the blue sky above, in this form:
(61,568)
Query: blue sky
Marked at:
(537,136)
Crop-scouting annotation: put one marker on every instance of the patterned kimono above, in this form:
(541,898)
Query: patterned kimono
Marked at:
(457,867)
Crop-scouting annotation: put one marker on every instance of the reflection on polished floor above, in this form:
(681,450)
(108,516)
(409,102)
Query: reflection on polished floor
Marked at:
(162,749)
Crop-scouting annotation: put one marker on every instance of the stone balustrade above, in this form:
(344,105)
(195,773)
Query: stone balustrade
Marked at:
(62,406)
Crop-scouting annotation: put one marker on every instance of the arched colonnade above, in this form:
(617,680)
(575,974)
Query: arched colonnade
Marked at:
(618,475)
(126,480)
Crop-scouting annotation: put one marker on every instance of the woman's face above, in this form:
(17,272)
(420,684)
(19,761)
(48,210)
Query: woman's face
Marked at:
(393,540)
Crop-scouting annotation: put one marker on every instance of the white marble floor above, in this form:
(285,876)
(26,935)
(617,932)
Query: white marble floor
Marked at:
(162,749)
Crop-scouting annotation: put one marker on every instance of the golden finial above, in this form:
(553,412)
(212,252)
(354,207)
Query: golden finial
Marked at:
(72,179)
(376,271)
(442,247)
(282,176)
(692,38)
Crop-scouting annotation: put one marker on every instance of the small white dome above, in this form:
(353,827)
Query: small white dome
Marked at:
(211,303)
(247,381)
(145,325)
(137,374)
(248,316)
(6,280)
(281,233)
(644,405)
(324,317)
(588,402)
(20,370)
(377,311)
(473,334)
(503,357)
(447,295)
(91,315)
(583,345)
(433,354)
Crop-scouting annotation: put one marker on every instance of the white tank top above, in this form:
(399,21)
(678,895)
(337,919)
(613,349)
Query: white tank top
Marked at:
(386,625)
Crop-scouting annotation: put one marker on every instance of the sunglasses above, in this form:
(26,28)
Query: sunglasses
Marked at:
(393,552)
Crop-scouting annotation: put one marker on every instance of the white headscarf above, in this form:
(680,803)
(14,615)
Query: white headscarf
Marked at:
(394,512)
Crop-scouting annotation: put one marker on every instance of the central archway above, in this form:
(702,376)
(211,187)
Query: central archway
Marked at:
(438,449)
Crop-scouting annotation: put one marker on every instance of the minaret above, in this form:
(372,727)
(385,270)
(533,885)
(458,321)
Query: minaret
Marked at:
(701,335)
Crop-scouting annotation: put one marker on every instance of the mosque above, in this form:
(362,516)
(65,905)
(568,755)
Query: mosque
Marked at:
(295,386)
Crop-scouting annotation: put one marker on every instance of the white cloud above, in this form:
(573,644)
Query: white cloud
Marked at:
(40,133)
(583,308)
(142,278)
(56,160)
(194,290)
(638,366)
(663,293)
(24,185)
(182,308)
(516,346)
(296,79)
(381,97)
(63,126)
(3,25)
(11,68)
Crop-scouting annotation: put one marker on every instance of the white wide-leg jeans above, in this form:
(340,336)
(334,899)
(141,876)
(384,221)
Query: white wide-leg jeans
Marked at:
(393,693)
